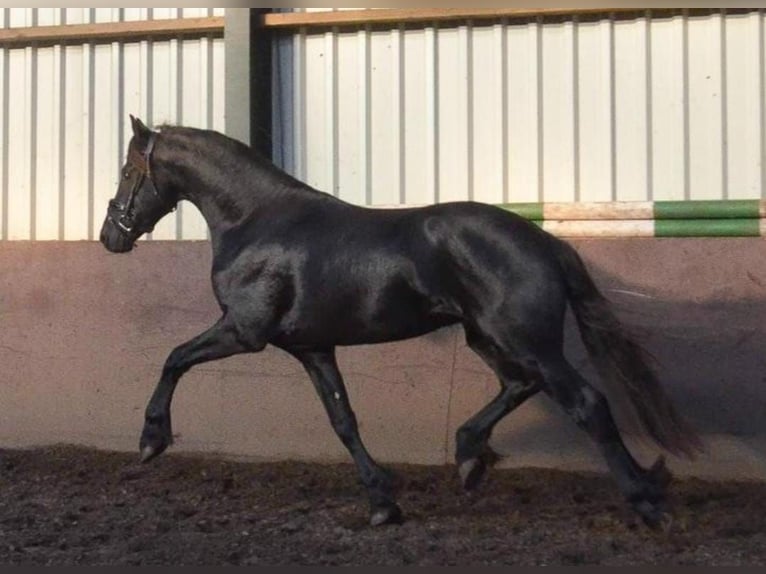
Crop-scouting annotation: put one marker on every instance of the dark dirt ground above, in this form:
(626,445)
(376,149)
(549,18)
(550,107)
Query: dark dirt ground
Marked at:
(69,505)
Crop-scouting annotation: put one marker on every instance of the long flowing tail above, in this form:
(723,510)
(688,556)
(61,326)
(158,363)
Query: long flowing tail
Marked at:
(621,362)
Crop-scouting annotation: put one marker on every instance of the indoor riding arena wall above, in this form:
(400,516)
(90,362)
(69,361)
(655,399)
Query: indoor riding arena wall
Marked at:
(85,333)
(643,106)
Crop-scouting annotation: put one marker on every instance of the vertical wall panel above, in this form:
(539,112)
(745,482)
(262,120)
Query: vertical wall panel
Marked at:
(630,114)
(487,146)
(743,105)
(20,151)
(454,114)
(47,123)
(319,168)
(48,16)
(76,140)
(558,113)
(668,105)
(523,108)
(594,110)
(419,118)
(105,151)
(135,85)
(353,116)
(46,133)
(705,114)
(105,15)
(398,119)
(295,77)
(383,97)
(75,15)
(216,83)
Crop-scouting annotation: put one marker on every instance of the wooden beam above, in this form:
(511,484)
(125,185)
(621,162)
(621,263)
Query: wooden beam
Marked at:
(111,32)
(420,15)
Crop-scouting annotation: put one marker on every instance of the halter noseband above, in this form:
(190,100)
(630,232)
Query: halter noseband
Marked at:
(122,214)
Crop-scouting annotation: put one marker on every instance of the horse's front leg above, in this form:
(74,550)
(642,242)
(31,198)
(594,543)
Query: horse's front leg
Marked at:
(216,343)
(324,373)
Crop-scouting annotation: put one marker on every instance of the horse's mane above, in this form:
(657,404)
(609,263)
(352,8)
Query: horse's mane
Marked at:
(228,147)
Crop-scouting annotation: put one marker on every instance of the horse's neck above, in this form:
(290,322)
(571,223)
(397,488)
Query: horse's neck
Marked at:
(222,211)
(259,190)
(230,187)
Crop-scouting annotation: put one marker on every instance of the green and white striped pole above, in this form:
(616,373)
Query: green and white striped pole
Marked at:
(691,209)
(692,218)
(656,228)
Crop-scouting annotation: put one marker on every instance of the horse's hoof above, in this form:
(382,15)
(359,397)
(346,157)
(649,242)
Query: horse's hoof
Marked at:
(156,436)
(148,453)
(151,451)
(659,522)
(471,472)
(391,514)
(655,517)
(665,523)
(659,475)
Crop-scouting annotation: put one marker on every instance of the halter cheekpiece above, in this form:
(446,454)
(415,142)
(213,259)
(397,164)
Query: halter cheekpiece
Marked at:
(121,214)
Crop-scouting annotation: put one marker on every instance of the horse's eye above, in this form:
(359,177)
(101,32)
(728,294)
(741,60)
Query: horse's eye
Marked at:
(125,174)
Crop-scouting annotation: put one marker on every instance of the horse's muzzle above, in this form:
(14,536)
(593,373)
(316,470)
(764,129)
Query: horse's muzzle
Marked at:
(114,239)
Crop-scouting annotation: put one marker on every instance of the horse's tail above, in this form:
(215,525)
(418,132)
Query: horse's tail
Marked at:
(621,362)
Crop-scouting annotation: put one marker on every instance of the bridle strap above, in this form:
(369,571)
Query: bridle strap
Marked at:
(119,213)
(148,154)
(142,161)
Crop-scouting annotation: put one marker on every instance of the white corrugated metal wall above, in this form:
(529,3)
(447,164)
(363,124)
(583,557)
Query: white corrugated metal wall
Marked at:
(63,113)
(550,109)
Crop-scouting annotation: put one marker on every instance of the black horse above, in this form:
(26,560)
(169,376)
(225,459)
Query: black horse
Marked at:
(307,272)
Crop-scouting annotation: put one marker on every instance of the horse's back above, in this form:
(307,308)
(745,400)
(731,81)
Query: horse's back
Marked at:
(481,263)
(485,247)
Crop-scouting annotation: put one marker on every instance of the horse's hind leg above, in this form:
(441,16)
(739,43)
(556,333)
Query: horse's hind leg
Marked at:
(324,373)
(644,489)
(517,384)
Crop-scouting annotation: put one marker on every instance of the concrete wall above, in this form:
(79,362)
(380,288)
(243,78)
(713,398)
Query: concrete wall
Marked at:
(84,335)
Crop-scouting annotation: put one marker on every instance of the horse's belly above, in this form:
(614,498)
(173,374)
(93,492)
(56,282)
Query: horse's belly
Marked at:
(349,335)
(361,323)
(393,332)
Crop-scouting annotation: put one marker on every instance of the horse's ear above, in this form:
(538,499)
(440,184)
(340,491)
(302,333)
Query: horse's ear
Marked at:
(140,131)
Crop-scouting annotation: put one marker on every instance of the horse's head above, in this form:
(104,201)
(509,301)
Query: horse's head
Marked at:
(139,203)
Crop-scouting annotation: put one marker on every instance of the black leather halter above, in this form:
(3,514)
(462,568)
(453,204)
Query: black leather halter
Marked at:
(121,214)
